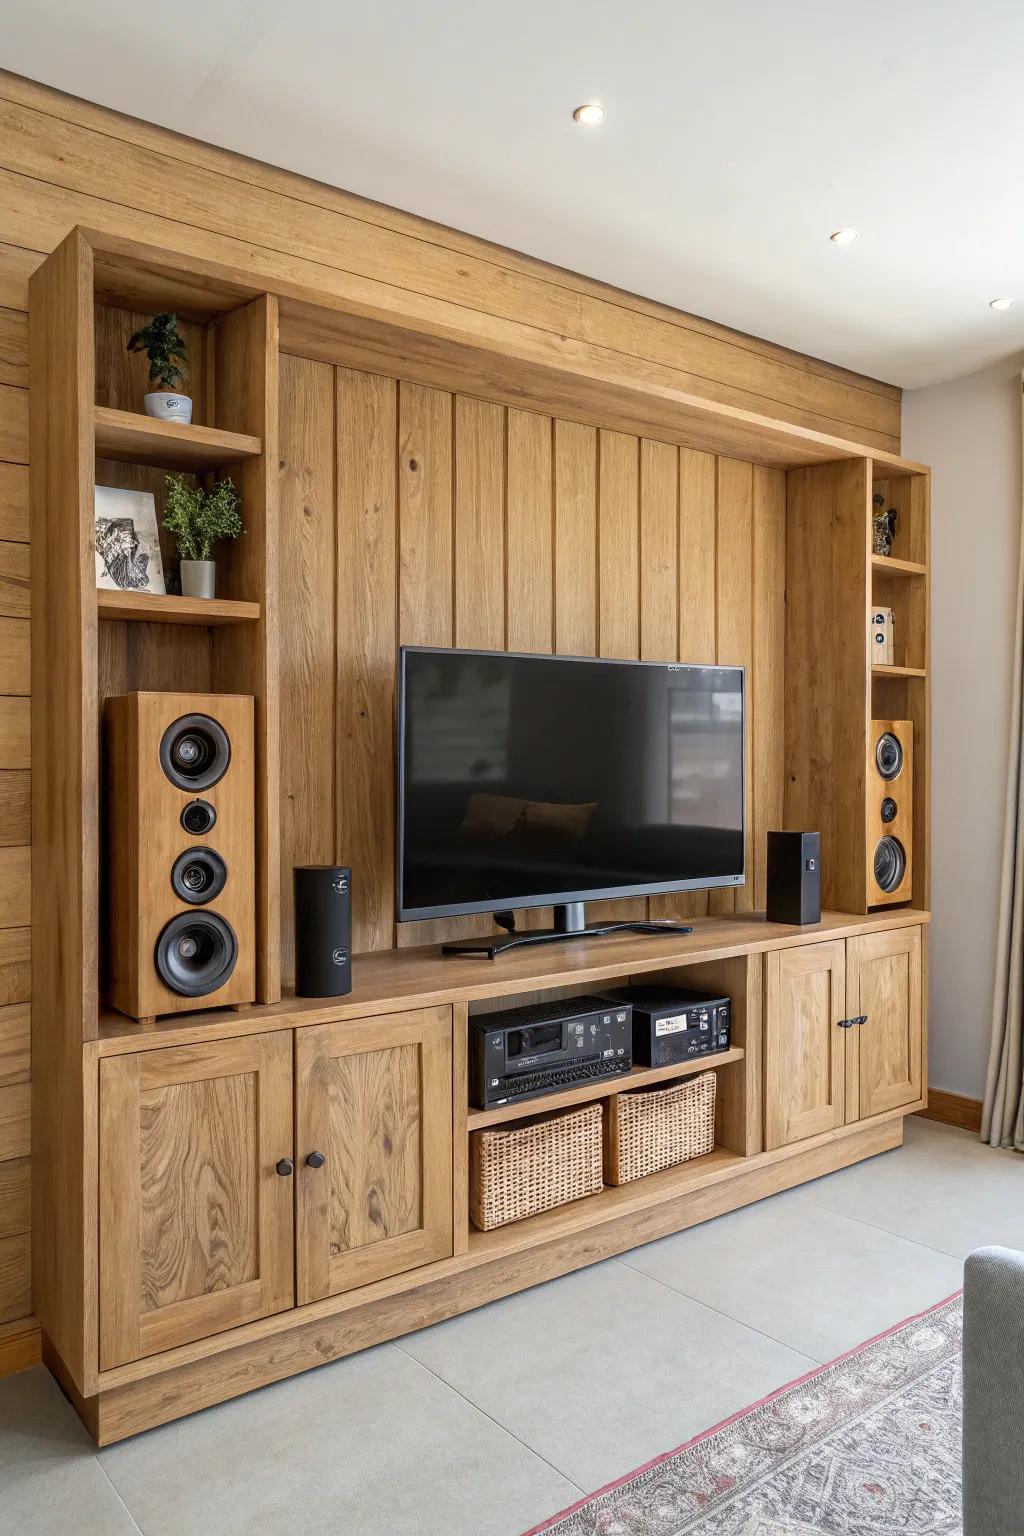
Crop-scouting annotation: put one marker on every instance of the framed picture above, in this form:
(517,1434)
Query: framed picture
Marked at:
(127,542)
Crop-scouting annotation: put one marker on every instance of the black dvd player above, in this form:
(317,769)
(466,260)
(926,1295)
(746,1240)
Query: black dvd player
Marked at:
(673,1024)
(523,1053)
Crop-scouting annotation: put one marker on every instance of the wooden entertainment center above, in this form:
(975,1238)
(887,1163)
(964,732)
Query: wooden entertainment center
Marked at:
(174,1264)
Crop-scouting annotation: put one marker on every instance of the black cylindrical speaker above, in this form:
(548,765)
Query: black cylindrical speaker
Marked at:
(323,930)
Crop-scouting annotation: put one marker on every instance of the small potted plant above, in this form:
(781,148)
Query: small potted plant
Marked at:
(165,347)
(198,520)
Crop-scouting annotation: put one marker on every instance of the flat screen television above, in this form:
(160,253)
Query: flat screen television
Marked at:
(553,780)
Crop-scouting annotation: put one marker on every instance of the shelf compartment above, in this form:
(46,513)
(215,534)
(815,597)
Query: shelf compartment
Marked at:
(153,608)
(893,567)
(169,444)
(899,672)
(639,1077)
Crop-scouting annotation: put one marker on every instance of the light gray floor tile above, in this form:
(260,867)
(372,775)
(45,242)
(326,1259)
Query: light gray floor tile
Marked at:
(819,1282)
(943,1187)
(603,1369)
(369,1446)
(51,1483)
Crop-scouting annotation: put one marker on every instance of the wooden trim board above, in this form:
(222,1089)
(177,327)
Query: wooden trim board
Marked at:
(953,1109)
(21,1345)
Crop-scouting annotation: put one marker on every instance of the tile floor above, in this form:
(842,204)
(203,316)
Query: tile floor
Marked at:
(485,1425)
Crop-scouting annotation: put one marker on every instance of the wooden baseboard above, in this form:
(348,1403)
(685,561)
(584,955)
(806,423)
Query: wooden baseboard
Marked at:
(953,1109)
(20,1345)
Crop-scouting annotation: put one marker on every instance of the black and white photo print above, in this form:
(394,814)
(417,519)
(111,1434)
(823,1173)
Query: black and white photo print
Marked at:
(127,542)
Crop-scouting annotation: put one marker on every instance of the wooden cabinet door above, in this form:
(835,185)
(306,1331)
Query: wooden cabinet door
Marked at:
(374,1101)
(884,983)
(196,1224)
(804,1045)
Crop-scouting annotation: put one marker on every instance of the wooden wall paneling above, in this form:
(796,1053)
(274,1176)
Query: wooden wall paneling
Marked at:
(734,631)
(13,347)
(307,565)
(15,657)
(16,267)
(15,1196)
(15,965)
(767,729)
(245,375)
(828,694)
(13,424)
(618,582)
(530,556)
(15,1120)
(659,551)
(64,801)
(15,1043)
(367,615)
(15,1277)
(15,733)
(14,580)
(479,606)
(14,502)
(15,809)
(575,540)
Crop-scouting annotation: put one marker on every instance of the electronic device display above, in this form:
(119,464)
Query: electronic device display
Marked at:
(528,780)
(523,1053)
(673,1024)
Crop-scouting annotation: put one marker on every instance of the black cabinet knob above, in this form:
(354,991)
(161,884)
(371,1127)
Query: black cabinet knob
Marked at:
(286,1167)
(315,1160)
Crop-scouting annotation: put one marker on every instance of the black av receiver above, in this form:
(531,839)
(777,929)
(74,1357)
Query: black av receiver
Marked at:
(673,1024)
(522,1053)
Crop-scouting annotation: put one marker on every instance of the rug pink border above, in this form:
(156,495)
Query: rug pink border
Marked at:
(705,1434)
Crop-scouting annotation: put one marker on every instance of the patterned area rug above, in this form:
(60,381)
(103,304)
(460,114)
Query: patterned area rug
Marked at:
(866,1446)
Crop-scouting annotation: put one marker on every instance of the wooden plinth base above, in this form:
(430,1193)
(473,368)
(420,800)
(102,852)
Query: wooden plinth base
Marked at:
(156,1398)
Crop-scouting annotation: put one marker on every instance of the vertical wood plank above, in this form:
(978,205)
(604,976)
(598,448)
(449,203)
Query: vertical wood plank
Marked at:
(575,554)
(530,555)
(479,524)
(697,556)
(734,644)
(767,732)
(659,555)
(307,654)
(367,574)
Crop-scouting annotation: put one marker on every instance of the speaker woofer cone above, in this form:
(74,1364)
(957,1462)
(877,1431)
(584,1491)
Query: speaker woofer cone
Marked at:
(195,752)
(196,953)
(889,756)
(890,864)
(198,875)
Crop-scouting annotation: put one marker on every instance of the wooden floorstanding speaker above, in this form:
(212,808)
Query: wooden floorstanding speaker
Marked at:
(890,819)
(180,847)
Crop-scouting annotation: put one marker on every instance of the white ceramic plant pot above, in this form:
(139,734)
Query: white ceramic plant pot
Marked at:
(165,405)
(198,578)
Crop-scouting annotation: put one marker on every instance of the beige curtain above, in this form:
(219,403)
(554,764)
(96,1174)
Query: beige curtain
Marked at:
(1002,1122)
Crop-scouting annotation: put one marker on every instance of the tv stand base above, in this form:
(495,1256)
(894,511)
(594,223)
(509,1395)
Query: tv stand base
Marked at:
(496,944)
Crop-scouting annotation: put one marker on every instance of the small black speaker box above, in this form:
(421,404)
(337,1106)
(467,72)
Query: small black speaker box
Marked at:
(323,930)
(794,877)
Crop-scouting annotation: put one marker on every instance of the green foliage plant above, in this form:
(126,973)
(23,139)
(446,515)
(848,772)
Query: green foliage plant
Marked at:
(166,349)
(200,519)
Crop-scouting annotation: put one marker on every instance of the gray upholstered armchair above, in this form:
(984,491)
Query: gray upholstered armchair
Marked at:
(994,1393)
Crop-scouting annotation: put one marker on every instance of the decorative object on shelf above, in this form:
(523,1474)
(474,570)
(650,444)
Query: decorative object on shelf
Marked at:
(883,525)
(199,520)
(167,352)
(127,542)
(323,930)
(655,1128)
(882,626)
(539,1164)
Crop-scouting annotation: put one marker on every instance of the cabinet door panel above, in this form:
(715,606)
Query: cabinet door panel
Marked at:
(195,1222)
(804,1048)
(374,1097)
(884,982)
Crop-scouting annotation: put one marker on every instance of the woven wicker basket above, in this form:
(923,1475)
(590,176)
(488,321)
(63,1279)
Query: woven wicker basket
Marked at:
(656,1128)
(540,1164)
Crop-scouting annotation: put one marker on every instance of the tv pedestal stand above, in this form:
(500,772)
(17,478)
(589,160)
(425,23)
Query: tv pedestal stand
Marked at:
(570,923)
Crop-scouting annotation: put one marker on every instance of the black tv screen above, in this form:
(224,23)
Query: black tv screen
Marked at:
(527,780)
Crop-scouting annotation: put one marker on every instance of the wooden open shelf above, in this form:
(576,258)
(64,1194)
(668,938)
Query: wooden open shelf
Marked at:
(899,672)
(151,608)
(893,567)
(639,1077)
(168,444)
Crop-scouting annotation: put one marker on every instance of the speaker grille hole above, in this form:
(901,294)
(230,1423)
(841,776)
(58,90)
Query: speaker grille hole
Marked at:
(889,755)
(890,864)
(195,752)
(196,953)
(199,817)
(198,875)
(888,809)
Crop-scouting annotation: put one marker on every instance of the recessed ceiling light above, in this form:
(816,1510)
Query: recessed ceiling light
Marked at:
(843,236)
(999,303)
(590,114)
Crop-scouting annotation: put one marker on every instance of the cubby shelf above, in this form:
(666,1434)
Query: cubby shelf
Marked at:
(153,608)
(169,444)
(893,567)
(899,672)
(639,1077)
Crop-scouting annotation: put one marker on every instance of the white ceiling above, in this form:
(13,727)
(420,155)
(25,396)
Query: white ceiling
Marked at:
(739,134)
